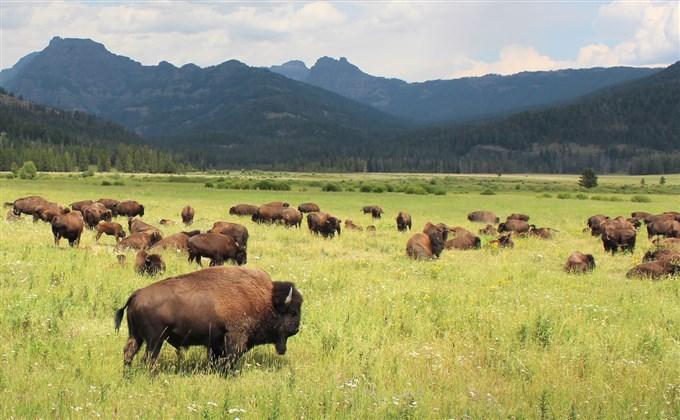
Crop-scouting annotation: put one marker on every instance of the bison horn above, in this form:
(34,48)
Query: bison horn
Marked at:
(289,298)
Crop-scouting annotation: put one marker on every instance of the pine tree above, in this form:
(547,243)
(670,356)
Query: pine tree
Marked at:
(662,180)
(588,179)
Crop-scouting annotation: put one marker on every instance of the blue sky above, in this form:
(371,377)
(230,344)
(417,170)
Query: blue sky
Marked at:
(413,41)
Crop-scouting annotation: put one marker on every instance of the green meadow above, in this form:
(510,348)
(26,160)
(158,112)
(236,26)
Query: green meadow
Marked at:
(485,333)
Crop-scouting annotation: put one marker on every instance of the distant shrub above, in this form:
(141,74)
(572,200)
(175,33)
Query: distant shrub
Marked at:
(415,189)
(10,175)
(28,170)
(440,191)
(209,185)
(547,195)
(563,196)
(365,188)
(331,187)
(118,183)
(581,196)
(487,192)
(615,198)
(106,183)
(271,185)
(640,199)
(86,174)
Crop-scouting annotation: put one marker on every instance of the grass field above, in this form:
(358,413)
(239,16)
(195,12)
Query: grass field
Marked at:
(484,334)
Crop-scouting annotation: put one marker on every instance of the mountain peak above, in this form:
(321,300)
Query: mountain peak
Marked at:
(293,69)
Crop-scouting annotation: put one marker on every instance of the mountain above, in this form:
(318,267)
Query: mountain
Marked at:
(462,99)
(58,140)
(7,74)
(294,69)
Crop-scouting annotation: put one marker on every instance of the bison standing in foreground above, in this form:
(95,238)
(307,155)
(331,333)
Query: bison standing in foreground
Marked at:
(188,215)
(323,224)
(69,226)
(291,217)
(616,237)
(130,208)
(403,221)
(428,244)
(229,310)
(217,247)
(579,263)
(237,232)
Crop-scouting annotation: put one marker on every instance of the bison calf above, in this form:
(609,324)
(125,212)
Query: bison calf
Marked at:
(110,228)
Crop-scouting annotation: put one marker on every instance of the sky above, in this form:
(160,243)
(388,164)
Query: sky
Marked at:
(414,41)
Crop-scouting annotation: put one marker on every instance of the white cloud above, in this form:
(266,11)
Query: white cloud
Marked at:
(513,59)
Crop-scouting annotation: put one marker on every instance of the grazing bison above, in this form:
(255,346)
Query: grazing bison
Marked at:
(308,208)
(323,224)
(483,216)
(110,228)
(291,217)
(642,215)
(375,211)
(136,225)
(70,226)
(542,233)
(46,212)
(463,240)
(243,210)
(27,205)
(661,254)
(166,222)
(503,241)
(217,247)
(110,204)
(277,204)
(238,233)
(513,225)
(188,215)
(579,263)
(229,310)
(139,240)
(130,208)
(488,230)
(95,213)
(178,241)
(403,221)
(615,238)
(668,228)
(428,244)
(80,205)
(656,269)
(268,213)
(518,216)
(150,264)
(349,225)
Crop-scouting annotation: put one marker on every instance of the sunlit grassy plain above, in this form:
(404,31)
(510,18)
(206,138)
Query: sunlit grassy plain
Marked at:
(488,333)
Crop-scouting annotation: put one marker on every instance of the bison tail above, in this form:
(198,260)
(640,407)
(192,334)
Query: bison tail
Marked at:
(120,312)
(7,204)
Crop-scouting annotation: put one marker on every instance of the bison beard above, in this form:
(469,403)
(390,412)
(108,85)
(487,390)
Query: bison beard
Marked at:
(229,310)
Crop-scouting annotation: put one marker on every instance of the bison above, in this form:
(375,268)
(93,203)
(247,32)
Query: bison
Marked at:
(656,269)
(11,217)
(489,230)
(110,228)
(243,210)
(483,216)
(70,226)
(668,228)
(136,225)
(178,241)
(403,221)
(238,233)
(130,208)
(615,238)
(166,222)
(80,205)
(150,264)
(139,240)
(594,223)
(514,225)
(268,213)
(375,211)
(542,233)
(110,204)
(95,213)
(503,241)
(27,205)
(428,244)
(308,208)
(217,247)
(579,263)
(518,216)
(661,254)
(291,217)
(46,212)
(464,240)
(323,224)
(229,310)
(350,225)
(188,215)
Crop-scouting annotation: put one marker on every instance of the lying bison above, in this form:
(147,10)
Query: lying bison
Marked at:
(489,230)
(514,225)
(375,211)
(403,221)
(542,233)
(188,215)
(178,241)
(656,269)
(503,241)
(428,244)
(219,248)
(323,224)
(130,208)
(463,240)
(518,216)
(350,225)
(308,208)
(139,240)
(238,233)
(150,264)
(483,216)
(579,263)
(70,226)
(243,210)
(110,228)
(136,225)
(11,217)
(661,254)
(229,310)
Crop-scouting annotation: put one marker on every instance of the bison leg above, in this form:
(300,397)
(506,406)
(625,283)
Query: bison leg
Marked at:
(154,345)
(131,348)
(99,235)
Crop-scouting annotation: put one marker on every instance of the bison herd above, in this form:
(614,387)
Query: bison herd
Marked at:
(229,310)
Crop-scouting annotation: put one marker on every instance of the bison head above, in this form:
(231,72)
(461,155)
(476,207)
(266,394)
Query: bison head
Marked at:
(141,210)
(333,225)
(287,303)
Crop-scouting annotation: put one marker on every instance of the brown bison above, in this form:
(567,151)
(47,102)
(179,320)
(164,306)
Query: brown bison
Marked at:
(110,204)
(483,216)
(513,225)
(323,224)
(669,228)
(80,205)
(642,215)
(667,242)
(656,269)
(95,213)
(110,228)
(178,241)
(428,244)
(277,204)
(518,216)
(463,240)
(139,240)
(403,221)
(130,208)
(268,213)
(27,205)
(661,254)
(188,215)
(46,212)
(542,233)
(489,230)
(136,225)
(166,222)
(238,233)
(350,225)
(291,217)
(308,208)
(217,247)
(243,210)
(70,226)
(579,263)
(229,310)
(503,241)
(150,264)
(375,211)
(615,238)
(594,223)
